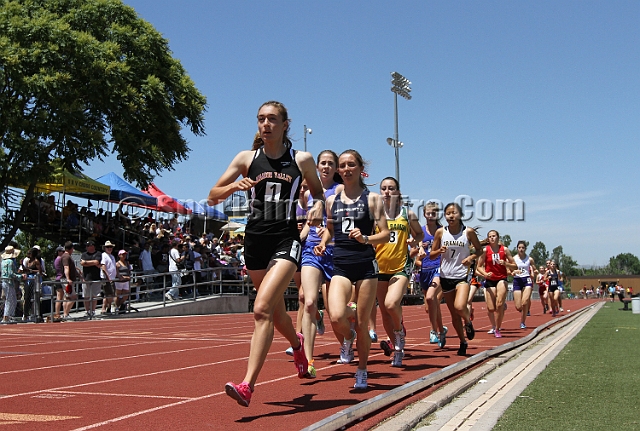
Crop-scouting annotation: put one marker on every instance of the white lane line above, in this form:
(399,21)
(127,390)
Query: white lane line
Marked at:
(119,379)
(13,346)
(55,352)
(103,394)
(97,361)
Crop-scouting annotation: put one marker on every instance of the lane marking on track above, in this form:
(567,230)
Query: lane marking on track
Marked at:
(108,336)
(56,352)
(48,343)
(121,358)
(119,379)
(104,394)
(15,418)
(467,418)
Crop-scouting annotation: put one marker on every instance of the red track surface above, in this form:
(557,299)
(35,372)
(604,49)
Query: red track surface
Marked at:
(169,373)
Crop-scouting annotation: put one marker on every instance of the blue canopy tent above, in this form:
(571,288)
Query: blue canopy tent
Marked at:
(203,209)
(122,191)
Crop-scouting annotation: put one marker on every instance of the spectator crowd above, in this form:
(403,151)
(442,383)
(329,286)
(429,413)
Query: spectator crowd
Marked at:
(117,256)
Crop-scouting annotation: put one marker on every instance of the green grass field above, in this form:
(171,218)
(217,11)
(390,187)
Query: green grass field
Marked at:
(593,384)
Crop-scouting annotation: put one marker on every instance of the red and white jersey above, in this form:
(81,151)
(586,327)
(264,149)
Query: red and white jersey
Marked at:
(492,265)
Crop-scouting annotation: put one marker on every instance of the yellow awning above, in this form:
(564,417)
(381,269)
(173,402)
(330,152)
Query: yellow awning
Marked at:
(72,183)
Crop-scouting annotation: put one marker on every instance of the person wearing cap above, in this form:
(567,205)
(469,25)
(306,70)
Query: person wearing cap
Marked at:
(10,279)
(91,265)
(108,274)
(123,269)
(44,268)
(70,276)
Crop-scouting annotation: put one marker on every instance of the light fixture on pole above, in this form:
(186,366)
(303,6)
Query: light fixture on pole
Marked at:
(309,131)
(401,86)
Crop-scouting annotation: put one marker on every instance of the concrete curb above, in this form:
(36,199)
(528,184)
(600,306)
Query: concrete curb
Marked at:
(359,411)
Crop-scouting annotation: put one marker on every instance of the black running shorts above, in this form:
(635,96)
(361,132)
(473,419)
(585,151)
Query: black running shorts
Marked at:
(260,250)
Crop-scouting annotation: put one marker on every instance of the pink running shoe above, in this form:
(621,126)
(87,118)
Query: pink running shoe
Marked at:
(300,359)
(497,333)
(241,393)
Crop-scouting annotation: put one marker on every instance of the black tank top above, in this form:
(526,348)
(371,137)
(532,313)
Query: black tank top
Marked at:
(345,218)
(273,199)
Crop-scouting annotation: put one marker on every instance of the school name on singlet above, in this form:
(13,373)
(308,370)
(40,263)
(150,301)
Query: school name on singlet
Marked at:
(274,175)
(397,226)
(453,243)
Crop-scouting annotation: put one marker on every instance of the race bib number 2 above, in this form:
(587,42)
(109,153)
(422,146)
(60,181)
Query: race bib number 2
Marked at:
(347,224)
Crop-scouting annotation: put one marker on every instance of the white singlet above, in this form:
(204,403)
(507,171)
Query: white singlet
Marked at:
(457,250)
(523,266)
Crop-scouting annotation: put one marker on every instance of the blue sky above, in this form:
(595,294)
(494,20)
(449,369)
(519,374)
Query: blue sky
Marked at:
(538,101)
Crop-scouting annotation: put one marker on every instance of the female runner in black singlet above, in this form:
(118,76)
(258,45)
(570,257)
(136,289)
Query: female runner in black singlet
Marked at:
(272,172)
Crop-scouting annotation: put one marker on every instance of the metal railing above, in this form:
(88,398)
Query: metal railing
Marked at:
(145,291)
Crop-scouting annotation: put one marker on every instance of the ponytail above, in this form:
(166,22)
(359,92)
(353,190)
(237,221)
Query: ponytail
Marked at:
(257,142)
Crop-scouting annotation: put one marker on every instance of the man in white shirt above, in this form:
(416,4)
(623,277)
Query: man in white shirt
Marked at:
(108,273)
(176,278)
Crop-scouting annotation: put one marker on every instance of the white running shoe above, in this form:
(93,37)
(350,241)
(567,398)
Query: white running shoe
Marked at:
(361,379)
(433,337)
(396,361)
(399,343)
(346,350)
(373,335)
(491,331)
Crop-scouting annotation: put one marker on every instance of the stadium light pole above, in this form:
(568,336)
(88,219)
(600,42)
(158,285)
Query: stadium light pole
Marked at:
(309,131)
(401,86)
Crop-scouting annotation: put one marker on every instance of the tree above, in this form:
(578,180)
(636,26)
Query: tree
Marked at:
(80,79)
(565,262)
(556,254)
(539,253)
(624,264)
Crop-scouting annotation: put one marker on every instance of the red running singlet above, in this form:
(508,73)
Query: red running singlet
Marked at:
(498,272)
